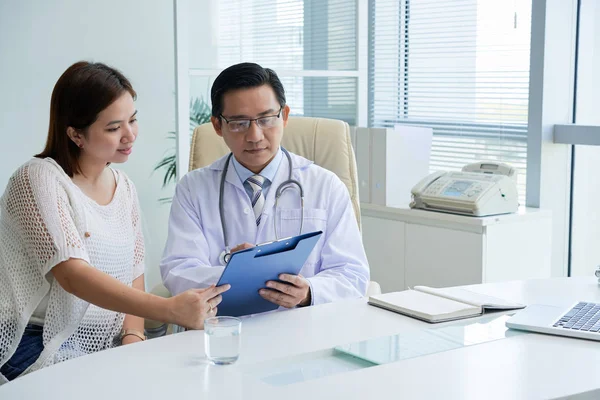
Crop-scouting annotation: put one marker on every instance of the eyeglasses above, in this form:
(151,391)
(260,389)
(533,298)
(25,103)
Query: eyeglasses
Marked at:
(242,125)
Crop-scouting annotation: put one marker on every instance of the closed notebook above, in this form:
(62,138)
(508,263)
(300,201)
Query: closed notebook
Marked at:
(440,305)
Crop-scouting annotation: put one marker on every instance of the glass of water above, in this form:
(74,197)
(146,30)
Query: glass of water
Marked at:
(222,339)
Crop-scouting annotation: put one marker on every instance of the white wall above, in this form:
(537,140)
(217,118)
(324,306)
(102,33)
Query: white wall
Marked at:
(202,45)
(39,39)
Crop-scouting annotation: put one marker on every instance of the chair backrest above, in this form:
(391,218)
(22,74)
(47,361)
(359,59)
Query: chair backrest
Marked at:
(324,141)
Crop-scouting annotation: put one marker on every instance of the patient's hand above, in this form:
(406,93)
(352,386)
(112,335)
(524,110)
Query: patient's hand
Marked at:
(293,291)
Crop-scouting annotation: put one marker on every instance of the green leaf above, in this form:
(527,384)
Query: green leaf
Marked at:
(200,113)
(171,174)
(165,162)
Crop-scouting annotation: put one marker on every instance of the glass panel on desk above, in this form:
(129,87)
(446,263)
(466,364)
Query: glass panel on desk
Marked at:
(383,350)
(325,364)
(403,346)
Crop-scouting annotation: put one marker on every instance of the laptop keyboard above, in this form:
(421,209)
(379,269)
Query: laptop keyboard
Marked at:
(583,317)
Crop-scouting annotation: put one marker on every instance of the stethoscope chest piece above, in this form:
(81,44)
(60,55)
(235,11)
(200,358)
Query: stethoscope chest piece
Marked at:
(224,257)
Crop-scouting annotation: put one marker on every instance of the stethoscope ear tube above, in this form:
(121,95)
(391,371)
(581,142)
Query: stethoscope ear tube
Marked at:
(282,188)
(226,254)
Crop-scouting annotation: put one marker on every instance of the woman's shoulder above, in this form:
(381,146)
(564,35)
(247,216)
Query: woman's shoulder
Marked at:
(36,179)
(39,171)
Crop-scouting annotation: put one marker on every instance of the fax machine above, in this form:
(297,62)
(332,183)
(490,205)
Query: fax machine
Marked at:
(480,189)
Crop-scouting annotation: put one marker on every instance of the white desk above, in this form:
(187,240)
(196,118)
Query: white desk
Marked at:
(527,366)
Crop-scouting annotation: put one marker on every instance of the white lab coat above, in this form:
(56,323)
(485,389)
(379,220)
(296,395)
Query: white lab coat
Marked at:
(337,267)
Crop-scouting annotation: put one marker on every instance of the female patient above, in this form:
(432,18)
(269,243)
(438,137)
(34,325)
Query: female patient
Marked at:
(71,243)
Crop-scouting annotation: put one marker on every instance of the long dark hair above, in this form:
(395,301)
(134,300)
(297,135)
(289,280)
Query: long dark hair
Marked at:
(80,94)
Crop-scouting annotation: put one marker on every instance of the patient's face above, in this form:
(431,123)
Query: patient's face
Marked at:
(255,146)
(110,138)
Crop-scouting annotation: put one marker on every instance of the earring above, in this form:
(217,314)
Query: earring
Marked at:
(80,145)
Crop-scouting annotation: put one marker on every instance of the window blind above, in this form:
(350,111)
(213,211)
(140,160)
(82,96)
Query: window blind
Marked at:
(311,44)
(460,67)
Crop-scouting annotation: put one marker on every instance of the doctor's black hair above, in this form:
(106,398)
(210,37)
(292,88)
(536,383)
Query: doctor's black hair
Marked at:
(243,76)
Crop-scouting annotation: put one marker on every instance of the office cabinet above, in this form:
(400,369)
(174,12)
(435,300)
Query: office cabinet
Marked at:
(408,247)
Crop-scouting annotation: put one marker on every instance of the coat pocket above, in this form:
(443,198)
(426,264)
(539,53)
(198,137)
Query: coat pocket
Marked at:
(290,220)
(314,219)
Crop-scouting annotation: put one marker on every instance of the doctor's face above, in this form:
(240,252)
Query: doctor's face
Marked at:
(254,143)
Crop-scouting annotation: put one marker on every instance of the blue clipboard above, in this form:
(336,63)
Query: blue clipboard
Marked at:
(249,270)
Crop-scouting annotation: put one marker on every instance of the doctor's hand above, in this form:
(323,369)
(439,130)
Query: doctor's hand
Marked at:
(190,308)
(293,291)
(242,246)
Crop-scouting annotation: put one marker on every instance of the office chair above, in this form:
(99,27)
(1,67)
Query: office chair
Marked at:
(324,141)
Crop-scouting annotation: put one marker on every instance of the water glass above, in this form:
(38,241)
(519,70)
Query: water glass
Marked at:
(222,339)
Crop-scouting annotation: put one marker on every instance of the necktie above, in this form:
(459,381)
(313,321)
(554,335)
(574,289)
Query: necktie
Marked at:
(258,199)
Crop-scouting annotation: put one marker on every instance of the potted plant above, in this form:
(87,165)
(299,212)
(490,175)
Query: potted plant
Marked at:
(200,113)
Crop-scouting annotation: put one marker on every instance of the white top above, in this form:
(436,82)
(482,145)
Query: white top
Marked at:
(39,314)
(523,366)
(46,219)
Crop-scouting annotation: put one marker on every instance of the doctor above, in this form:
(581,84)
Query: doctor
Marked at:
(249,111)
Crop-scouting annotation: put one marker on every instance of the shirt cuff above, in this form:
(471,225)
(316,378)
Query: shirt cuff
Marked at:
(312,292)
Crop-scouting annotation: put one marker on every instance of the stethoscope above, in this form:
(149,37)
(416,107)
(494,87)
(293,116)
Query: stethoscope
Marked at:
(226,254)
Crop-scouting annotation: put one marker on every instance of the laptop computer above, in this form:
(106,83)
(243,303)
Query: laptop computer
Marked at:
(582,320)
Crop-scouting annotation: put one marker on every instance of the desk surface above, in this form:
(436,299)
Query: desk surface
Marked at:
(526,366)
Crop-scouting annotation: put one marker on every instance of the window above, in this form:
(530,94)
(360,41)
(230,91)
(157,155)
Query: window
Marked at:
(585,217)
(311,44)
(460,67)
